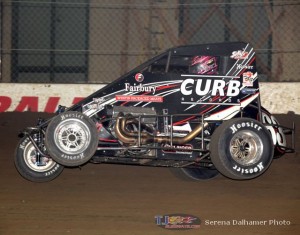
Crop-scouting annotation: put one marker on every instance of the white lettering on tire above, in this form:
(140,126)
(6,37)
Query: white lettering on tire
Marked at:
(258,168)
(235,127)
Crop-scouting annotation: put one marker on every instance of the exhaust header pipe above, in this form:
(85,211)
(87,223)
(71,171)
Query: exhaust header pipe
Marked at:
(133,137)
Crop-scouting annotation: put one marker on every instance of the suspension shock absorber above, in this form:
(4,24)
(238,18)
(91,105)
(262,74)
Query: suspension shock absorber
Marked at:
(39,139)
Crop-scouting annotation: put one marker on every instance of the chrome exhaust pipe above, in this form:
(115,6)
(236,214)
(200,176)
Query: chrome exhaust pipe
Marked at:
(120,130)
(133,137)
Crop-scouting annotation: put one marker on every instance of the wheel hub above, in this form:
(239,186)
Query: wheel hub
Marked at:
(31,160)
(246,148)
(72,136)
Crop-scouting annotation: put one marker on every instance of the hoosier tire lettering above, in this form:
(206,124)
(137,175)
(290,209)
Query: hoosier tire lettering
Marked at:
(71,115)
(236,127)
(70,157)
(255,169)
(51,172)
(241,148)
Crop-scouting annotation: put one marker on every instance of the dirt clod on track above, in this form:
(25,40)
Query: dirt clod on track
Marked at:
(113,199)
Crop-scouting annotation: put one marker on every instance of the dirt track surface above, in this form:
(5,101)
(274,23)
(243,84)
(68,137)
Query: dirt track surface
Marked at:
(112,199)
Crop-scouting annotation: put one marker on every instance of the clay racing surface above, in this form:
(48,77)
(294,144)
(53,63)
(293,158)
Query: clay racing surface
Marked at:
(114,199)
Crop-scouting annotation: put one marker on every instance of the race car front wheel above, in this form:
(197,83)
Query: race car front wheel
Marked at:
(33,167)
(71,138)
(241,148)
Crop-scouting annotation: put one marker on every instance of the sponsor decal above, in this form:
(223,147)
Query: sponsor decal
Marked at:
(275,130)
(186,128)
(241,66)
(259,167)
(236,127)
(139,88)
(139,77)
(178,149)
(177,221)
(248,79)
(140,98)
(239,55)
(203,86)
(248,91)
(96,104)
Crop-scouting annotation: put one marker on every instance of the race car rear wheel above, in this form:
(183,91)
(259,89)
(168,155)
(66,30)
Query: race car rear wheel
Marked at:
(71,138)
(241,148)
(194,174)
(32,169)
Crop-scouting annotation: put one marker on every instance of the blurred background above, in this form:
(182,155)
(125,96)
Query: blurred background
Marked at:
(96,41)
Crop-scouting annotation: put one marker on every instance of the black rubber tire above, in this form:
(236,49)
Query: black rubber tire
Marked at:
(71,138)
(194,174)
(25,164)
(241,148)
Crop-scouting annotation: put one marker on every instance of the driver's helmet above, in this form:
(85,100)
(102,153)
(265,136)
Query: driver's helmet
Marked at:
(204,65)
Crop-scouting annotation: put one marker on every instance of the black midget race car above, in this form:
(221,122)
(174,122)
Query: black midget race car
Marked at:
(195,109)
